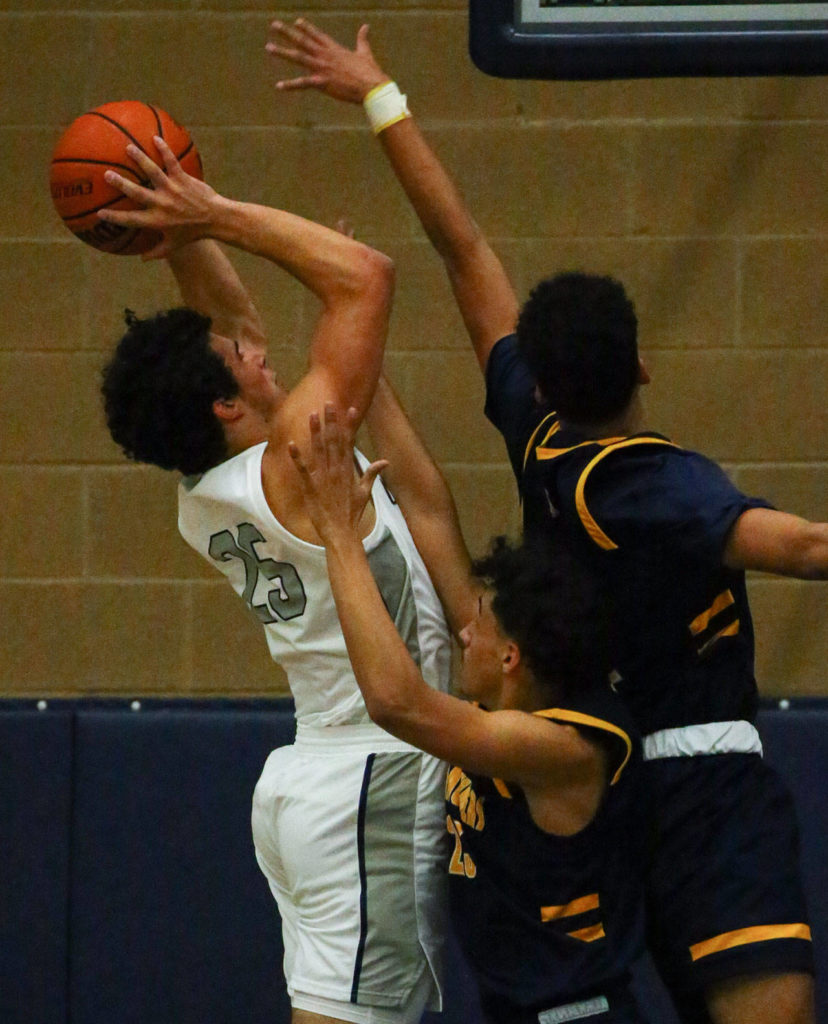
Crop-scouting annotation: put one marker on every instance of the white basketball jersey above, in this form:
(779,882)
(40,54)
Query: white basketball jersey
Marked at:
(225,516)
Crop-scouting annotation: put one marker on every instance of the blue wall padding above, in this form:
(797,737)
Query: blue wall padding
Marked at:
(129,890)
(35,806)
(796,744)
(171,919)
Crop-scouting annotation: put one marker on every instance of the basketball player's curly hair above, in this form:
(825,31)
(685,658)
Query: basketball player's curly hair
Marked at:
(159,388)
(578,335)
(551,607)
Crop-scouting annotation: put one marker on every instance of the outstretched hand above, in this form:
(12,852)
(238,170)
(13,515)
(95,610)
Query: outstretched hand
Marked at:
(334,496)
(333,69)
(174,203)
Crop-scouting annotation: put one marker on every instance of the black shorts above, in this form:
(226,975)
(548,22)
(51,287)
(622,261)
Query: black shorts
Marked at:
(724,893)
(616,1006)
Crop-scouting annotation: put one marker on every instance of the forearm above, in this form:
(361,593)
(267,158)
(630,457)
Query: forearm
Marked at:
(766,540)
(809,559)
(435,198)
(426,501)
(412,474)
(482,289)
(208,282)
(333,266)
(390,683)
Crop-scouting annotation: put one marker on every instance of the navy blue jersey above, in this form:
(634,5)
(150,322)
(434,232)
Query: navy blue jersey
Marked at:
(547,919)
(652,519)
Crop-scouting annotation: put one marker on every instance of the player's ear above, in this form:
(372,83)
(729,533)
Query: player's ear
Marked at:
(643,372)
(510,657)
(227,410)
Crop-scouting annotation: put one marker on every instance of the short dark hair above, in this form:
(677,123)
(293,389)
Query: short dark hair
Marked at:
(159,388)
(578,335)
(551,606)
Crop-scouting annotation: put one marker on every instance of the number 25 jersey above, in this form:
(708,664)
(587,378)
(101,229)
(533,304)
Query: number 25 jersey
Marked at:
(283,580)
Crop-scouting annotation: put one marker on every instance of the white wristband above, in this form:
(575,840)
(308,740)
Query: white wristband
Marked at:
(385,105)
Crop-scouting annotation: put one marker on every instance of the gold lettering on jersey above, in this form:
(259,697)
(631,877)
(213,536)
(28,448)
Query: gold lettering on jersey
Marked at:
(461,863)
(460,793)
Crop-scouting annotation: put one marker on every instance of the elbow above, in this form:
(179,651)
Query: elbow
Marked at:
(810,556)
(384,712)
(815,566)
(374,276)
(364,279)
(390,711)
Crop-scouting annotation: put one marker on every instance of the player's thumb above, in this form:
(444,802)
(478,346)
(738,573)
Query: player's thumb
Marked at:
(363,47)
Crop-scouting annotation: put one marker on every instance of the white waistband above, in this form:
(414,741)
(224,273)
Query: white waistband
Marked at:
(710,738)
(366,736)
(575,1011)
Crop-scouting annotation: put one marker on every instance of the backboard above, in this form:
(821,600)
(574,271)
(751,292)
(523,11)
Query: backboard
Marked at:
(593,39)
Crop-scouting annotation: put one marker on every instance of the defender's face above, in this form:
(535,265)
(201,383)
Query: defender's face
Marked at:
(482,640)
(248,364)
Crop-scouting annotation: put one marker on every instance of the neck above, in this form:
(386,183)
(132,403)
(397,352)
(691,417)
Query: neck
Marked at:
(629,421)
(529,695)
(244,433)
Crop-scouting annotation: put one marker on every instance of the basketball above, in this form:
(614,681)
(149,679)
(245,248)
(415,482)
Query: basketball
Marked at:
(95,142)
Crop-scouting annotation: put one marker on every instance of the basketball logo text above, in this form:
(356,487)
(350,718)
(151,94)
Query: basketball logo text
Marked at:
(70,189)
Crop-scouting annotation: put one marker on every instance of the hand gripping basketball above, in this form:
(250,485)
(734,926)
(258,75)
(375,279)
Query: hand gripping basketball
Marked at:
(177,204)
(96,142)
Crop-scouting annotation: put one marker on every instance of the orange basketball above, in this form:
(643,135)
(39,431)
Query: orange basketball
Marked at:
(97,141)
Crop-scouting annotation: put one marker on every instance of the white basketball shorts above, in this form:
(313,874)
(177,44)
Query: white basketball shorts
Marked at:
(349,830)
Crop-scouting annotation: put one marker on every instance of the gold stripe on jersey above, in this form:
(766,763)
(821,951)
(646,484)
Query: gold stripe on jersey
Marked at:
(595,931)
(592,528)
(578,906)
(730,630)
(556,426)
(577,718)
(746,936)
(502,788)
(700,623)
(545,454)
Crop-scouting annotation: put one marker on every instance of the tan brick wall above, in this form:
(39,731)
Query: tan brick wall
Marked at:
(706,196)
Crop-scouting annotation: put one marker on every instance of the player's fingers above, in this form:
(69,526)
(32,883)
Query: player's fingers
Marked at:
(170,159)
(298,461)
(311,33)
(351,424)
(317,445)
(157,252)
(305,82)
(294,34)
(370,475)
(334,440)
(123,218)
(362,44)
(154,173)
(286,53)
(130,188)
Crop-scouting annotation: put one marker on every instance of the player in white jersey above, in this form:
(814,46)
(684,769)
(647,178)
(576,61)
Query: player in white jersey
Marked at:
(348,821)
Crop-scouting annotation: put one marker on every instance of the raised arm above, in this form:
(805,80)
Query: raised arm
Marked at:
(354,285)
(766,540)
(208,282)
(353,282)
(482,289)
(535,753)
(426,501)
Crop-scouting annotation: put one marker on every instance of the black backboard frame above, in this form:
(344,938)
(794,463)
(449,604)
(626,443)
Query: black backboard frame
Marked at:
(501,46)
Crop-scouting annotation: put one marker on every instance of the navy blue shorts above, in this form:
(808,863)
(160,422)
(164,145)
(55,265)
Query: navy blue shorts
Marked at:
(617,1006)
(725,894)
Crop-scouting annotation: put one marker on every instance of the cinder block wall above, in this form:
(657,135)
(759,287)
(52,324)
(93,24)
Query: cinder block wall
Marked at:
(706,196)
